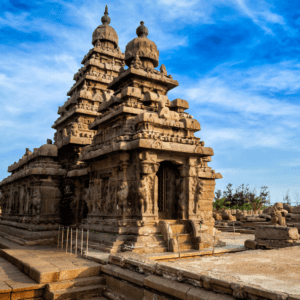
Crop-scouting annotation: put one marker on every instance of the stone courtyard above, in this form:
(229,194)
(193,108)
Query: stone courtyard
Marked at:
(120,205)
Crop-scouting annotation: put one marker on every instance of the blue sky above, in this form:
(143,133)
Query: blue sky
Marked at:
(237,63)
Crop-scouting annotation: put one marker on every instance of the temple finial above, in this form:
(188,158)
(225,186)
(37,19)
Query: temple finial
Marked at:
(105,19)
(142,30)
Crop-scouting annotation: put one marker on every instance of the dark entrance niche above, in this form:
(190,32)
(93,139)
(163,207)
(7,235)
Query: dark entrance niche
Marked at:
(167,194)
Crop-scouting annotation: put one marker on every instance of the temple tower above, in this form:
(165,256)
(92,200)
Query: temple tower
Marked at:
(101,64)
(148,172)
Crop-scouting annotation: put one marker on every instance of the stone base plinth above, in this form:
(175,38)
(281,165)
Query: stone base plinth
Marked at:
(28,234)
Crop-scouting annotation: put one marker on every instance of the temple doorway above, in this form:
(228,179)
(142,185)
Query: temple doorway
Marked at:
(167,195)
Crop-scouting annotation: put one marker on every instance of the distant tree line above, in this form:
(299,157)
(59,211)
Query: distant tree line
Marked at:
(242,198)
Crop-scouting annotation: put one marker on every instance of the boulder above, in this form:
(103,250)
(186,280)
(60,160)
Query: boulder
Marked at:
(265,216)
(267,210)
(250,244)
(255,219)
(296,209)
(217,216)
(239,215)
(228,216)
(274,232)
(288,208)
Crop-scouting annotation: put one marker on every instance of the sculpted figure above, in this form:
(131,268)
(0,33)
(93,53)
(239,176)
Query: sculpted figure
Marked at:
(122,196)
(107,95)
(98,43)
(26,208)
(108,198)
(74,129)
(144,194)
(36,201)
(199,189)
(137,63)
(98,97)
(84,93)
(163,69)
(165,112)
(181,198)
(278,214)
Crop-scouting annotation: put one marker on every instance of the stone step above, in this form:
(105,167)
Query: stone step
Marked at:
(183,238)
(186,246)
(77,282)
(76,293)
(101,247)
(157,249)
(178,228)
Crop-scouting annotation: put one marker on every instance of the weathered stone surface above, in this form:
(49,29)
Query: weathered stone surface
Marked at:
(124,288)
(202,294)
(167,286)
(250,244)
(276,233)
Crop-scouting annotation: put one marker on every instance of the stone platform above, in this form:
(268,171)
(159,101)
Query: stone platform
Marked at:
(258,274)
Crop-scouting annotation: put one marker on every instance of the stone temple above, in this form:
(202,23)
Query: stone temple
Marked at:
(125,163)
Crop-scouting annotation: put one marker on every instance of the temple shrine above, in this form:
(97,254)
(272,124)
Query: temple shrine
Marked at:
(125,163)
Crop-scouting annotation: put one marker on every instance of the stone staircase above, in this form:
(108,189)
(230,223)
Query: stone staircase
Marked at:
(178,234)
(76,289)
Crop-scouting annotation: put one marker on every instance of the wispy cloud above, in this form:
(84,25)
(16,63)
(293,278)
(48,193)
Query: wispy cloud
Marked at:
(237,62)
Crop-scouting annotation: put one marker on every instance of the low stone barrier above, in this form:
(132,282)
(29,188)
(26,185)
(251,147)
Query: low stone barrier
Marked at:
(165,282)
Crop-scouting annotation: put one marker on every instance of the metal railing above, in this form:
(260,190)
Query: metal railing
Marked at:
(64,243)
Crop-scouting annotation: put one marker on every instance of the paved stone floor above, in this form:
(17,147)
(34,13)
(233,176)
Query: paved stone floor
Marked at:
(277,270)
(12,277)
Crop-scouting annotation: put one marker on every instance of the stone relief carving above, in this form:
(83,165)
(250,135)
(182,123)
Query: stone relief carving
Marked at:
(198,194)
(137,63)
(163,70)
(122,197)
(74,129)
(144,194)
(165,112)
(181,198)
(36,201)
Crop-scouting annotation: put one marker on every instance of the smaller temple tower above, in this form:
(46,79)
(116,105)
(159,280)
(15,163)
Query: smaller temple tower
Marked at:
(101,64)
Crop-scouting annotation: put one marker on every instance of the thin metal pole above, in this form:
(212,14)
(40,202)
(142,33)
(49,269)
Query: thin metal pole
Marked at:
(67,240)
(71,236)
(81,241)
(58,237)
(178,246)
(87,243)
(76,241)
(233,231)
(214,243)
(62,238)
(168,228)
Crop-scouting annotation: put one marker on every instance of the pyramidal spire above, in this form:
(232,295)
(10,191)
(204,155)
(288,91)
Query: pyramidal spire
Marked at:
(105,19)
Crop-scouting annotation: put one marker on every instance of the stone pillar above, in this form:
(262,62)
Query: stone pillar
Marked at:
(148,188)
